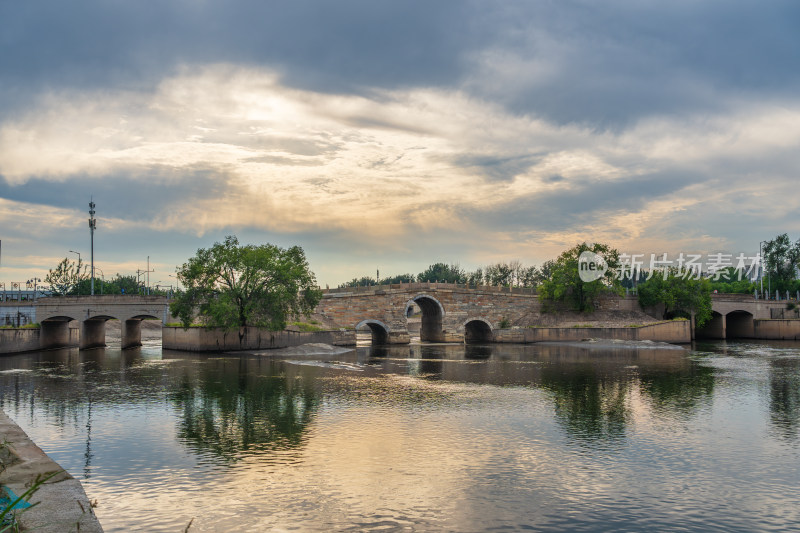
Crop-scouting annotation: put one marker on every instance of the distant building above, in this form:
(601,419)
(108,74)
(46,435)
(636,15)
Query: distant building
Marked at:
(26,295)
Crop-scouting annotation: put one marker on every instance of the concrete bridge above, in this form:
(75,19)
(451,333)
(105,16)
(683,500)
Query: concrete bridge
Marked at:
(738,316)
(91,312)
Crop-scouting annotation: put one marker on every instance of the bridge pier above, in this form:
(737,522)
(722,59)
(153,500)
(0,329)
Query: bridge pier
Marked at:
(93,333)
(54,334)
(131,333)
(398,337)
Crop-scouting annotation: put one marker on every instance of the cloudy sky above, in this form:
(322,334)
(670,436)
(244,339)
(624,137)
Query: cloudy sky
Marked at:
(393,135)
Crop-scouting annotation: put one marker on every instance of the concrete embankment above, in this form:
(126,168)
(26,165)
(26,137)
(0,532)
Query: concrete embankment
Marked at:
(20,340)
(673,331)
(778,329)
(62,504)
(221,340)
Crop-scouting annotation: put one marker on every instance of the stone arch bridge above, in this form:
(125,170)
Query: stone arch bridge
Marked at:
(55,313)
(450,312)
(458,313)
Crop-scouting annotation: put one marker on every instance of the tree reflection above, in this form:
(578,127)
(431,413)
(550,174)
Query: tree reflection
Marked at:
(680,391)
(237,405)
(590,404)
(784,397)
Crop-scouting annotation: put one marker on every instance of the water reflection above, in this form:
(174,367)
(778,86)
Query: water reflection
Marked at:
(426,437)
(590,403)
(678,391)
(784,397)
(232,405)
(229,406)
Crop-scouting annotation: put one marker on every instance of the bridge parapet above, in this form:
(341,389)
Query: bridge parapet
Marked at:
(93,311)
(423,286)
(448,309)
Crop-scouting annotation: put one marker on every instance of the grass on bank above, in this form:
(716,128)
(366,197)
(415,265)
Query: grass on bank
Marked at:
(305,327)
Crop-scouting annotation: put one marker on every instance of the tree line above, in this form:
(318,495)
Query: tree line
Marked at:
(504,274)
(233,285)
(559,280)
(73,278)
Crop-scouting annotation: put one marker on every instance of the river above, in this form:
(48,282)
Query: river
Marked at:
(546,437)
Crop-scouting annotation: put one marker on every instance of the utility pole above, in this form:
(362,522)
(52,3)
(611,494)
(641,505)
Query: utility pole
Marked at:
(147,279)
(92,227)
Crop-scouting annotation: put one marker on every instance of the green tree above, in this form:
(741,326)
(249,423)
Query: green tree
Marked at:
(529,277)
(475,278)
(123,285)
(781,259)
(680,295)
(442,272)
(500,274)
(400,278)
(565,285)
(731,280)
(363,281)
(234,286)
(65,277)
(546,271)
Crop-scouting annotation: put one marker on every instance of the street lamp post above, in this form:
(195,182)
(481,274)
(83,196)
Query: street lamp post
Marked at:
(79,255)
(33,282)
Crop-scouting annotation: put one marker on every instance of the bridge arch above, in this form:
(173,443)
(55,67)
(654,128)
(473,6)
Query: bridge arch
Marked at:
(57,318)
(478,330)
(432,317)
(714,328)
(739,324)
(379,330)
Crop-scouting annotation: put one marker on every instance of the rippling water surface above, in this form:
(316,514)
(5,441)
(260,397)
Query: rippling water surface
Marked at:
(424,437)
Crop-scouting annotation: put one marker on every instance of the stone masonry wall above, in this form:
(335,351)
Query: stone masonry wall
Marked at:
(387,306)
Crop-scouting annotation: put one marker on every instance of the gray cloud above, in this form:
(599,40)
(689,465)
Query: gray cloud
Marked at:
(609,67)
(583,204)
(597,63)
(147,195)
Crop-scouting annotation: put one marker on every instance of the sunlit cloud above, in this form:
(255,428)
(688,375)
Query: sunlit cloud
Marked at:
(397,166)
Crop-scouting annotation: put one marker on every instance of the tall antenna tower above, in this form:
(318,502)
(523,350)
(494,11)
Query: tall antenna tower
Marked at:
(92,227)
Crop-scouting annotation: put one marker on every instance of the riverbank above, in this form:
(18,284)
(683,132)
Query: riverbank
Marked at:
(198,339)
(61,503)
(670,331)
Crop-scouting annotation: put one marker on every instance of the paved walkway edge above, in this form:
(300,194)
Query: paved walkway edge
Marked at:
(63,506)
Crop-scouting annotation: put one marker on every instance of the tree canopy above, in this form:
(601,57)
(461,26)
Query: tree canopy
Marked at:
(733,281)
(443,273)
(564,283)
(66,277)
(781,259)
(680,295)
(231,285)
